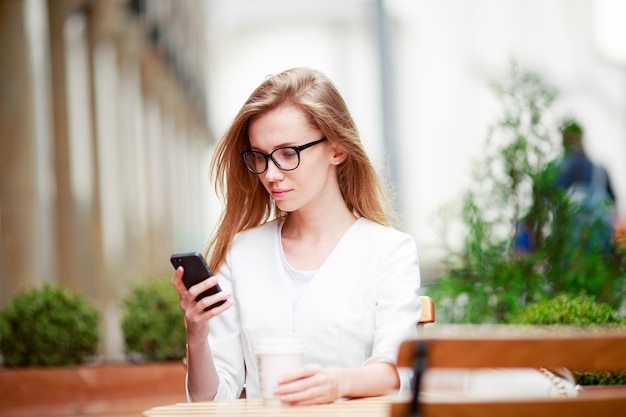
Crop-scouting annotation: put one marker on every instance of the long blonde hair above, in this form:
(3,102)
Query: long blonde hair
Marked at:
(247,203)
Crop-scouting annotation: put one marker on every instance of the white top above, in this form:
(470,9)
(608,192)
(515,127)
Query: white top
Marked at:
(300,280)
(357,308)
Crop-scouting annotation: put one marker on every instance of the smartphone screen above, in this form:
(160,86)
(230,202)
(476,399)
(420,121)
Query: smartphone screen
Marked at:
(196,271)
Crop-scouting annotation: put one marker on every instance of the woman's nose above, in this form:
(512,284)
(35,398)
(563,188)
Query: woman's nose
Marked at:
(273,172)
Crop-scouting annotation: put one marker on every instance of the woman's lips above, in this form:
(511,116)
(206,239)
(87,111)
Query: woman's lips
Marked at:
(279,193)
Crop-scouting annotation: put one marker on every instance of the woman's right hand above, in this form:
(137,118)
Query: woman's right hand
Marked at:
(196,318)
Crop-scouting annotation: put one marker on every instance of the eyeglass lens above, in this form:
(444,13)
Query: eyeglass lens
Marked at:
(284,158)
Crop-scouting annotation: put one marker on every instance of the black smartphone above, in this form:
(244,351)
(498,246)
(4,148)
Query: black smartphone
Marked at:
(196,271)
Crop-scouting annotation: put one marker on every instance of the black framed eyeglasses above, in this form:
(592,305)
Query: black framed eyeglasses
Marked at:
(286,158)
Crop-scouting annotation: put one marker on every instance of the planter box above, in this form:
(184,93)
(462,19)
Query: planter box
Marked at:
(90,390)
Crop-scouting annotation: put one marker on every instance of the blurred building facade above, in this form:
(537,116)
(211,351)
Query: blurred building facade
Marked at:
(103,141)
(110,109)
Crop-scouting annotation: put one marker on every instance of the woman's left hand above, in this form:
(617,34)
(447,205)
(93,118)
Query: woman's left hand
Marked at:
(310,384)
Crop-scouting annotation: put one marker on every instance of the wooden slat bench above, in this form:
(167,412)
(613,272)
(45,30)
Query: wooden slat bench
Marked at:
(574,349)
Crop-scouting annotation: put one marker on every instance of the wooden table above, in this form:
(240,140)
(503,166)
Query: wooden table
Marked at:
(592,402)
(254,407)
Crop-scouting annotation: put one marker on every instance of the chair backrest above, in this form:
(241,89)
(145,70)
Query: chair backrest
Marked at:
(575,350)
(428,310)
(427,316)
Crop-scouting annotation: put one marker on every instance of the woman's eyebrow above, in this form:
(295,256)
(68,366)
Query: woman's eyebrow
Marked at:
(282,145)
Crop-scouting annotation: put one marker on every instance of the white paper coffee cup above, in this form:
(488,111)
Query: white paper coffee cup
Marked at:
(275,357)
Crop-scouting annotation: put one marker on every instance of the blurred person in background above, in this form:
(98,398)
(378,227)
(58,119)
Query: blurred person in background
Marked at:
(588,186)
(580,196)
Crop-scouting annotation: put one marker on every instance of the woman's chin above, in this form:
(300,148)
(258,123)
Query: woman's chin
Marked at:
(285,206)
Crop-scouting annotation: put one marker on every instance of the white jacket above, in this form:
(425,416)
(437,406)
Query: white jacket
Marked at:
(359,306)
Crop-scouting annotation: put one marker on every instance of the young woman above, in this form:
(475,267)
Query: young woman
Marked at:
(305,248)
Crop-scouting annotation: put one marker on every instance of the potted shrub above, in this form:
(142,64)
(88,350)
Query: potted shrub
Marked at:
(49,339)
(575,310)
(48,326)
(152,322)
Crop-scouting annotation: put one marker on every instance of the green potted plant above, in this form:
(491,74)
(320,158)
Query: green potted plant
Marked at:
(46,334)
(575,310)
(48,326)
(49,340)
(152,322)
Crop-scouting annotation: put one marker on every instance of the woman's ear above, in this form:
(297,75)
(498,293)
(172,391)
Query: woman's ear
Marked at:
(339,155)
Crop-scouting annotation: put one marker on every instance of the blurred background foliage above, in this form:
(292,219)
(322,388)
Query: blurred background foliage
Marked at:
(487,280)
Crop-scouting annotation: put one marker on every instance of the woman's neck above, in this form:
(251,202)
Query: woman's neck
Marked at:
(309,240)
(314,224)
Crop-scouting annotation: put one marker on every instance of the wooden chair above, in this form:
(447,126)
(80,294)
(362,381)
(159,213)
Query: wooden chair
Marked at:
(428,314)
(428,310)
(573,349)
